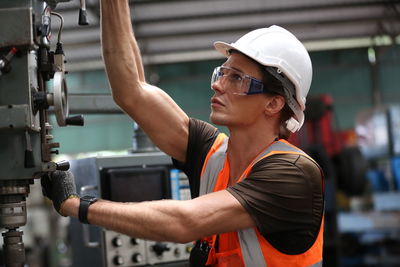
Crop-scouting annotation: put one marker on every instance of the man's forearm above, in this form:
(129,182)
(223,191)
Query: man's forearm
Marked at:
(156,220)
(120,50)
(168,220)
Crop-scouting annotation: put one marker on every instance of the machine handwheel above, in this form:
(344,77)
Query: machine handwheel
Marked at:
(61,107)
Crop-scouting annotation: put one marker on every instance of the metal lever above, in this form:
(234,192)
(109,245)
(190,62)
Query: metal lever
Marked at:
(86,237)
(29,161)
(5,60)
(62,165)
(82,14)
(75,120)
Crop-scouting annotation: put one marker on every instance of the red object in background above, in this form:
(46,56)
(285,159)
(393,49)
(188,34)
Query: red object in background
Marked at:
(319,127)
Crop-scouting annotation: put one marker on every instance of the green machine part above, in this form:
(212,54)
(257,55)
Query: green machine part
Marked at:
(20,129)
(20,136)
(26,146)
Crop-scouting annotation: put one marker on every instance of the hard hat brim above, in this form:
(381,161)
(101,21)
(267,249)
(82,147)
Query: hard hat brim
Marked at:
(224,48)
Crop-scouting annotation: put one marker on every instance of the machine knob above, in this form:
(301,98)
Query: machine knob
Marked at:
(75,120)
(62,165)
(117,241)
(177,252)
(48,126)
(4,60)
(160,248)
(189,249)
(83,20)
(134,241)
(118,260)
(137,258)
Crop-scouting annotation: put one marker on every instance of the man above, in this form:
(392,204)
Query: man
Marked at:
(261,199)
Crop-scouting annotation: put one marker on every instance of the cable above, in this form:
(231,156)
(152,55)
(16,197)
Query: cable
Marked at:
(61,25)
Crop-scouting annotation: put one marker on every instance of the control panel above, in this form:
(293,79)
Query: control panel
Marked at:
(122,250)
(129,178)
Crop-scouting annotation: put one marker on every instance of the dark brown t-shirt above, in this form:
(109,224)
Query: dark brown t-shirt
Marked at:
(283,193)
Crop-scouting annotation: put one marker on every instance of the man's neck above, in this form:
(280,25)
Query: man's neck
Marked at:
(245,143)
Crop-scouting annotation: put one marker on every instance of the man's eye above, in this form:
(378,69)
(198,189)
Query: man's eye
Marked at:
(236,77)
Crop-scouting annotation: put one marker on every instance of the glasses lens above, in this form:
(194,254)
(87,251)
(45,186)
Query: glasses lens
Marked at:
(235,81)
(232,80)
(215,76)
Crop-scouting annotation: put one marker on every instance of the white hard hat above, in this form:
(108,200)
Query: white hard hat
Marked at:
(278,48)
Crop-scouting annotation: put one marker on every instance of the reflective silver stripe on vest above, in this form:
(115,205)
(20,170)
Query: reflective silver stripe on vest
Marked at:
(214,166)
(278,146)
(318,264)
(251,249)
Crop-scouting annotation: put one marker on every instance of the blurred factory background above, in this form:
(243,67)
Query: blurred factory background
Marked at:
(352,119)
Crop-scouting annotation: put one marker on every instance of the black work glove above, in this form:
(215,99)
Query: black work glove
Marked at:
(58,186)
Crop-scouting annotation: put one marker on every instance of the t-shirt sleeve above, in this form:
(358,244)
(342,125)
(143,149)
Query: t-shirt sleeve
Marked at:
(283,194)
(201,138)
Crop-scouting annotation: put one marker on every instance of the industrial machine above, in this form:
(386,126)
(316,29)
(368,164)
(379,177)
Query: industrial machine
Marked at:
(135,177)
(32,79)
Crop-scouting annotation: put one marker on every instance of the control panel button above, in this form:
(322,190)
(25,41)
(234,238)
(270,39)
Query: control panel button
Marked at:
(118,260)
(160,248)
(137,258)
(177,252)
(117,241)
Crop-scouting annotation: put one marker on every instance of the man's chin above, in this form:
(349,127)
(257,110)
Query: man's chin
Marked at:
(217,120)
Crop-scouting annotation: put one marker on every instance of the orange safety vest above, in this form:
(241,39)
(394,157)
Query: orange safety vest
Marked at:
(248,247)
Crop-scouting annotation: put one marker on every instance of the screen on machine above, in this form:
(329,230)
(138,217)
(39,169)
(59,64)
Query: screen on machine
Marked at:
(137,184)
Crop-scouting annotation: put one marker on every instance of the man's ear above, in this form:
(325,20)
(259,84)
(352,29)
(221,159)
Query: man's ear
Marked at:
(274,105)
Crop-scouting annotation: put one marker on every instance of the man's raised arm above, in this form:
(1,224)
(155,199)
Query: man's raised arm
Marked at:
(156,113)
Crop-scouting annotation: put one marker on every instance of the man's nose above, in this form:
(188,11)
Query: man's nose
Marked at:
(217,86)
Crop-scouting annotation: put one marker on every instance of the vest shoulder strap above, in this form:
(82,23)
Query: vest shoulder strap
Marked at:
(278,147)
(213,164)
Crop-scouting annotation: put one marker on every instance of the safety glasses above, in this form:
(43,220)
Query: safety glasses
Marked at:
(236,81)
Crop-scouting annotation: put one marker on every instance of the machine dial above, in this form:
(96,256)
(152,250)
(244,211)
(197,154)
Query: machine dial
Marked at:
(60,102)
(134,241)
(60,99)
(137,258)
(117,241)
(177,252)
(118,260)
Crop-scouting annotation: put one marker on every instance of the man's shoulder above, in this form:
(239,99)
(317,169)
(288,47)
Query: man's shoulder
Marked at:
(297,162)
(201,132)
